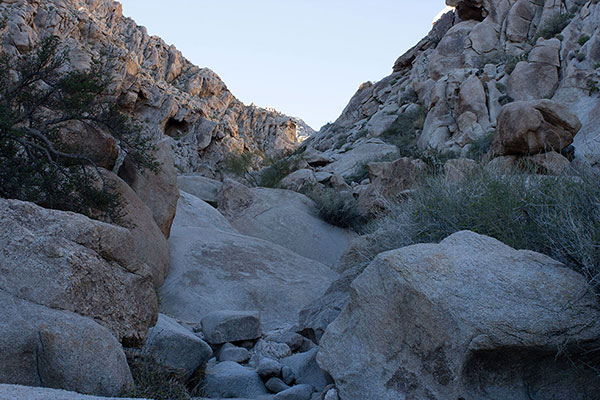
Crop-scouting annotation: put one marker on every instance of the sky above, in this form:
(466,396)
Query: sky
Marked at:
(305,58)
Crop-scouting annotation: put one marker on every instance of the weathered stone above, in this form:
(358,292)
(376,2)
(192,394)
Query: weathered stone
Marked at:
(283,217)
(150,244)
(299,179)
(276,385)
(469,317)
(534,127)
(231,380)
(388,181)
(16,392)
(306,370)
(69,262)
(231,326)
(233,353)
(267,368)
(288,376)
(193,212)
(172,345)
(298,392)
(457,169)
(205,189)
(275,350)
(59,349)
(292,339)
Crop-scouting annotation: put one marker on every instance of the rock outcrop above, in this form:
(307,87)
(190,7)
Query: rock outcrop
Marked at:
(172,99)
(17,392)
(467,318)
(476,58)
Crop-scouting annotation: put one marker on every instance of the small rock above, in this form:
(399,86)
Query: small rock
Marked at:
(331,394)
(299,392)
(265,348)
(231,326)
(268,367)
(307,370)
(288,375)
(276,385)
(231,380)
(292,339)
(233,353)
(174,346)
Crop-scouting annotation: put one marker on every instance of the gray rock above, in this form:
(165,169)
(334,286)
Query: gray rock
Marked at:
(306,369)
(231,380)
(193,212)
(284,217)
(287,375)
(231,326)
(268,368)
(172,345)
(276,385)
(59,349)
(269,349)
(298,392)
(205,189)
(17,392)
(292,339)
(66,261)
(233,353)
(213,270)
(469,317)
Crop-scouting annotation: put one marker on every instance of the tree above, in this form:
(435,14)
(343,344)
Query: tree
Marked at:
(37,100)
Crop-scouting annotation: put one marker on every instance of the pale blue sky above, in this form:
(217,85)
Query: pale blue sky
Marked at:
(305,58)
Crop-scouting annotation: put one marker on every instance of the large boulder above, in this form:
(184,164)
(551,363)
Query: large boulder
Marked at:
(204,188)
(467,318)
(286,218)
(18,392)
(369,151)
(58,349)
(193,212)
(212,270)
(66,261)
(231,380)
(150,244)
(531,127)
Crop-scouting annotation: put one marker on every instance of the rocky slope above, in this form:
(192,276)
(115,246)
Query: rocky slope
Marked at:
(165,93)
(446,93)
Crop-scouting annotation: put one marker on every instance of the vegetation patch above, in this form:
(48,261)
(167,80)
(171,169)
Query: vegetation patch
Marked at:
(553,26)
(337,208)
(37,99)
(555,215)
(403,133)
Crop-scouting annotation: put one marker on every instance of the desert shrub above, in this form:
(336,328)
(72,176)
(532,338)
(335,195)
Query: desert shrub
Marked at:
(403,131)
(511,62)
(154,381)
(278,167)
(239,164)
(495,57)
(337,208)
(553,26)
(409,96)
(592,87)
(583,39)
(480,147)
(501,87)
(37,99)
(555,215)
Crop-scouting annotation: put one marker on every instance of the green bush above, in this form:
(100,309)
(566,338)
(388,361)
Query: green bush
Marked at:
(36,99)
(553,26)
(583,39)
(337,208)
(278,168)
(480,147)
(403,132)
(239,164)
(555,215)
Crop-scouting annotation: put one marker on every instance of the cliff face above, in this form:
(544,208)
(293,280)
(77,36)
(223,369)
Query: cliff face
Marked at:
(187,106)
(477,58)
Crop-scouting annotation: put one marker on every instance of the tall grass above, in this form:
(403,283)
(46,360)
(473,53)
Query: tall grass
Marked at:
(555,215)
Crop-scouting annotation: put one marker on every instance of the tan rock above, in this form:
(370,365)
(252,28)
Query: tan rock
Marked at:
(533,127)
(68,262)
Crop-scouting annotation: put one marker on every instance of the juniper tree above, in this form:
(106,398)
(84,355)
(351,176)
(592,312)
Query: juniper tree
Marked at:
(37,99)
